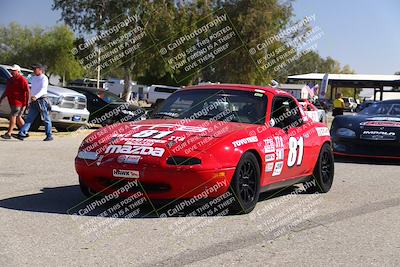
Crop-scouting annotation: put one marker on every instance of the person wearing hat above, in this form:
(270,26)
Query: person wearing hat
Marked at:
(17,93)
(40,104)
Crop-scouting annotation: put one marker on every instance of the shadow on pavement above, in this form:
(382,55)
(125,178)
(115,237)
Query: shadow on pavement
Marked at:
(66,200)
(69,200)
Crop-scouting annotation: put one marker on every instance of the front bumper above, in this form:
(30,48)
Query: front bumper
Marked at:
(366,148)
(154,181)
(68,117)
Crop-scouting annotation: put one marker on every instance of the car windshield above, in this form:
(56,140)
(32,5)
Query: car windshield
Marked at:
(392,109)
(109,97)
(215,104)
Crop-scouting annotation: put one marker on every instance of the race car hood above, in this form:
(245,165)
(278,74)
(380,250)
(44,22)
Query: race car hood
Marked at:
(370,127)
(160,138)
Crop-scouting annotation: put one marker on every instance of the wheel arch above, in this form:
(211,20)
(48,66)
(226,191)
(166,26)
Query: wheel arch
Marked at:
(258,157)
(325,142)
(329,142)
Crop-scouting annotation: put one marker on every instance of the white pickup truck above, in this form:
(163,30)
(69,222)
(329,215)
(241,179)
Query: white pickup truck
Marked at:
(68,112)
(158,93)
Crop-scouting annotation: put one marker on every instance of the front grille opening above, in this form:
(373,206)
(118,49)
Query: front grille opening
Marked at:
(183,161)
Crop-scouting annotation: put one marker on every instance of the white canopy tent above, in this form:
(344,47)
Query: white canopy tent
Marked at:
(378,82)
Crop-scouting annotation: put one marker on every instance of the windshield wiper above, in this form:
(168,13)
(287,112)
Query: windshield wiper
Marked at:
(165,114)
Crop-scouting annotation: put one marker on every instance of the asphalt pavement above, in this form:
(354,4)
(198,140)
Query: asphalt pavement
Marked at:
(355,224)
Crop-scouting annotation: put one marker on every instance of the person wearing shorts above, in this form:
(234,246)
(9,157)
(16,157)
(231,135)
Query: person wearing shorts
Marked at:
(17,93)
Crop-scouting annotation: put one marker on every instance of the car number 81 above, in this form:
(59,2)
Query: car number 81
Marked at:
(152,134)
(296,151)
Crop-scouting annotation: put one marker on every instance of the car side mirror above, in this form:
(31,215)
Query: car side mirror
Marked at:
(149,113)
(272,123)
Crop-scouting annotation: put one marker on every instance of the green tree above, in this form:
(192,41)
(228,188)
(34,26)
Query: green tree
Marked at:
(96,17)
(26,46)
(254,21)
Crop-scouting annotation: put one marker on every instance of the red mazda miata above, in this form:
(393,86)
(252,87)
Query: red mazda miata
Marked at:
(204,141)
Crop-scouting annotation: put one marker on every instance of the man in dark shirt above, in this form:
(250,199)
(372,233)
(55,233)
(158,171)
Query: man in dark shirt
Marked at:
(17,93)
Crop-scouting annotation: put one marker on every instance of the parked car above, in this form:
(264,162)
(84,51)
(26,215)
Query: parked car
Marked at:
(349,103)
(324,104)
(317,115)
(68,112)
(87,82)
(365,104)
(374,132)
(158,93)
(107,108)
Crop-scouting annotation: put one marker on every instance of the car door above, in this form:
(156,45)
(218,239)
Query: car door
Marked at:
(286,147)
(301,141)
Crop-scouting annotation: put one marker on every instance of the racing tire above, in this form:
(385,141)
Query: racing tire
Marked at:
(67,129)
(324,171)
(245,185)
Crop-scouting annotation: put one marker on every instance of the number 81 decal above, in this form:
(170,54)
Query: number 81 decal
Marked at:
(296,151)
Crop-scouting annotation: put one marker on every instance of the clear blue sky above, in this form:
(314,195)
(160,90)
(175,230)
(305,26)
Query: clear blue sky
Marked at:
(362,33)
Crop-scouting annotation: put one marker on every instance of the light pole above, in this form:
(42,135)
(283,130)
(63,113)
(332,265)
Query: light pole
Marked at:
(98,46)
(98,67)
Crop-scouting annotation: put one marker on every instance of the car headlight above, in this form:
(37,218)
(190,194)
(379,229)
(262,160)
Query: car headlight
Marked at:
(345,132)
(55,100)
(87,155)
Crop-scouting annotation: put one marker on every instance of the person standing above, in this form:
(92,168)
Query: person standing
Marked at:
(17,93)
(338,105)
(40,104)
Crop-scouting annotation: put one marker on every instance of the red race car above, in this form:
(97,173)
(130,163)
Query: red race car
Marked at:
(204,141)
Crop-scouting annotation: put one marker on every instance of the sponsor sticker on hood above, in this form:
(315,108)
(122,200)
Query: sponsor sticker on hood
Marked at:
(379,133)
(381,123)
(135,150)
(384,119)
(128,159)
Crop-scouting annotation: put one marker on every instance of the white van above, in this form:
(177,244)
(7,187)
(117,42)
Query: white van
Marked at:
(158,93)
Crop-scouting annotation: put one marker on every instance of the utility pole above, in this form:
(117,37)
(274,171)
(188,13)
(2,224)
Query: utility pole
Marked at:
(98,67)
(99,47)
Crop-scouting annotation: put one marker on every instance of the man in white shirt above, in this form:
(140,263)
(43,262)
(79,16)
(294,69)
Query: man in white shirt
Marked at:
(40,105)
